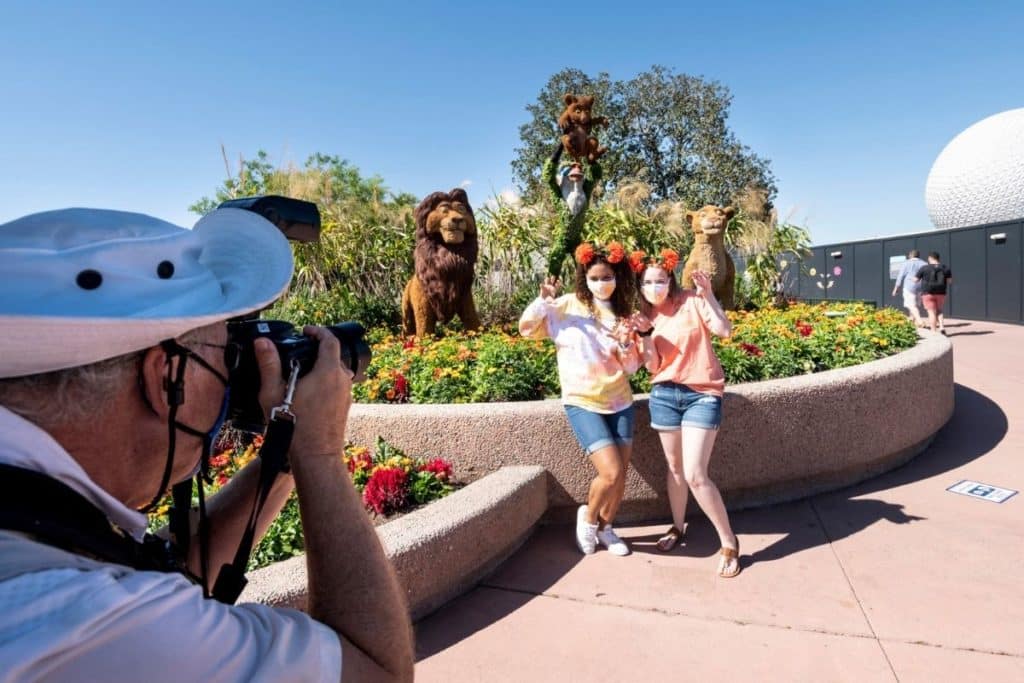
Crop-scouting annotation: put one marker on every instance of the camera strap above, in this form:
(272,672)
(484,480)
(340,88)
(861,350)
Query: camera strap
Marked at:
(53,513)
(273,461)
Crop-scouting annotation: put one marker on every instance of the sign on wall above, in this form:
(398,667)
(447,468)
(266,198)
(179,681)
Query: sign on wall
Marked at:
(895,263)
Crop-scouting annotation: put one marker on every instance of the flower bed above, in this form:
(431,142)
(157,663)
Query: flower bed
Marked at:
(500,365)
(389,481)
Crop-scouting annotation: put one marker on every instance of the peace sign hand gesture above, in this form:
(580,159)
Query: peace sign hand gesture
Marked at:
(549,288)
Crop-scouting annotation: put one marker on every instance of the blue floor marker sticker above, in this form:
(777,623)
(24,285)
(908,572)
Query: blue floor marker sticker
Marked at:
(984,491)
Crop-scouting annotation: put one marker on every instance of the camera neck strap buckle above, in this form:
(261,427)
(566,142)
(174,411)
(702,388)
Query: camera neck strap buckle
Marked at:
(284,411)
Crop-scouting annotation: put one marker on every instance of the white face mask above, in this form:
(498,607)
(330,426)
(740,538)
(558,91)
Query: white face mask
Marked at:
(601,289)
(655,293)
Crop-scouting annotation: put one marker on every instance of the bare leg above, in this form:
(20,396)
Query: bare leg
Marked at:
(697,445)
(610,471)
(933,320)
(611,507)
(675,481)
(915,315)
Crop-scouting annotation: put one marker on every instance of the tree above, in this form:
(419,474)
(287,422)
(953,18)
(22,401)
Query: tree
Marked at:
(364,255)
(668,130)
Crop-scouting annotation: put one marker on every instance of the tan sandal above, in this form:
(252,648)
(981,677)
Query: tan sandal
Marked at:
(729,554)
(670,539)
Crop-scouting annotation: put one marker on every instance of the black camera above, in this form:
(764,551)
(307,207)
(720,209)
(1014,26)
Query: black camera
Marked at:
(244,411)
(299,221)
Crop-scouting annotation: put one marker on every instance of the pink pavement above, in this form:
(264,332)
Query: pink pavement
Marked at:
(893,579)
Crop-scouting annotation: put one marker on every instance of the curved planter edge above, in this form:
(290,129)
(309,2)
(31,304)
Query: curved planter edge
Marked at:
(780,439)
(438,551)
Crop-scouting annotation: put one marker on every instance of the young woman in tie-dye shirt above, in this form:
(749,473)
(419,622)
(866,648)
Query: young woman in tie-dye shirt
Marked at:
(594,334)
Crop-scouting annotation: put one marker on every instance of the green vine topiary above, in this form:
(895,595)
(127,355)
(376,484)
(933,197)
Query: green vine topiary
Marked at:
(569,229)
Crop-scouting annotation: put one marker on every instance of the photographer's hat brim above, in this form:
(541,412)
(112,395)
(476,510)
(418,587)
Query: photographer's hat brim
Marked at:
(84,285)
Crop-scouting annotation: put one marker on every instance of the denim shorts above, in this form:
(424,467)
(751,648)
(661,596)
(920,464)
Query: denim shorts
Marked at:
(674,406)
(594,431)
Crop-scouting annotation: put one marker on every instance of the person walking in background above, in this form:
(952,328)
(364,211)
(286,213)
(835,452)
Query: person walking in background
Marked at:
(686,394)
(593,331)
(911,286)
(934,279)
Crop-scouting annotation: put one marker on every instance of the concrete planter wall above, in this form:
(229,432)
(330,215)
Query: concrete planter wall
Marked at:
(438,551)
(780,439)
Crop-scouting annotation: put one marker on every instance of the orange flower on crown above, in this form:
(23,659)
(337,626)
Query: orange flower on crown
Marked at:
(667,260)
(585,253)
(636,261)
(616,252)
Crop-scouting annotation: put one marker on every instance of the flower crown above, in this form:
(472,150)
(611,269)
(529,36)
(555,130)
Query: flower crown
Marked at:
(667,260)
(613,252)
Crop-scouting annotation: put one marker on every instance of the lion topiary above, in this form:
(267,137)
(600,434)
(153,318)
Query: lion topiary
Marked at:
(709,253)
(445,256)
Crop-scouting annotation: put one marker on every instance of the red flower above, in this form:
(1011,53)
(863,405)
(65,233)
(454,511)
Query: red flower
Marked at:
(441,468)
(751,349)
(636,261)
(401,388)
(222,479)
(385,490)
(221,459)
(585,253)
(360,459)
(409,343)
(616,252)
(804,329)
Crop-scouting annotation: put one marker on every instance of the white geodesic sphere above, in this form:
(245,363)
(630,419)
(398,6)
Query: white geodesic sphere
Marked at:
(979,177)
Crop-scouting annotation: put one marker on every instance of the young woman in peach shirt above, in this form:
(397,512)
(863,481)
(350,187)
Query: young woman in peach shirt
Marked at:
(686,395)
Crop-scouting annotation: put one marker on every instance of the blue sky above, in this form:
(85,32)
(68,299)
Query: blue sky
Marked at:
(126,105)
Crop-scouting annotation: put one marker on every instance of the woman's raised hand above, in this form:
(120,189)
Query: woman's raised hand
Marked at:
(549,288)
(640,322)
(702,283)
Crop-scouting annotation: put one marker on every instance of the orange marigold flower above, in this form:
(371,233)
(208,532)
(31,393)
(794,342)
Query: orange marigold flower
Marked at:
(585,253)
(616,252)
(636,261)
(669,259)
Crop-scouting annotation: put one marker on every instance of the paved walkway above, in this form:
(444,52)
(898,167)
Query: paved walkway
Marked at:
(893,579)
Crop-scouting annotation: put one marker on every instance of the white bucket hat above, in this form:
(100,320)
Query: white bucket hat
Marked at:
(79,286)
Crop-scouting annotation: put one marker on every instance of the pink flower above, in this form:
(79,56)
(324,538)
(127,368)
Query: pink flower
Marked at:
(837,271)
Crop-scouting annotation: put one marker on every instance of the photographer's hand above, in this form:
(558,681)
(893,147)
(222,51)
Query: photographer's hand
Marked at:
(352,587)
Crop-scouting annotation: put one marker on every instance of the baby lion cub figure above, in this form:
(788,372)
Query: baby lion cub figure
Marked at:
(709,253)
(576,122)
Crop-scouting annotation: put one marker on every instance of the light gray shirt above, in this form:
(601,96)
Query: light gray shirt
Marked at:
(907,274)
(65,617)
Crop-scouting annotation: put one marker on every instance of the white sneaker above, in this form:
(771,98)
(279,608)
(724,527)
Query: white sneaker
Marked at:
(586,534)
(609,539)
